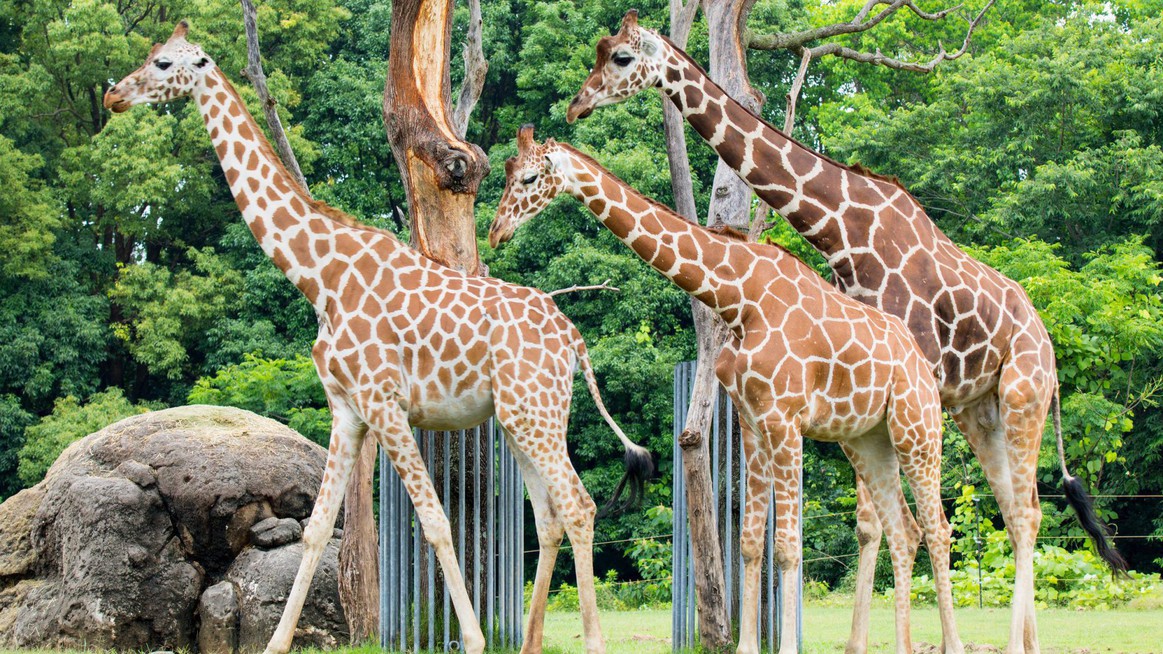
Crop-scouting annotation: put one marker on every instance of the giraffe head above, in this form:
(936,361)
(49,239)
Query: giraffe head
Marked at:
(532,179)
(172,70)
(627,62)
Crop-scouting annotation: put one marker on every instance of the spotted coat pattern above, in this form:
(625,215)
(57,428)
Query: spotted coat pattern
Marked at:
(804,360)
(403,342)
(981,335)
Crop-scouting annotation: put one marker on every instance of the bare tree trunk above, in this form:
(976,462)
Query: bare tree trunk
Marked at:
(359,581)
(359,578)
(441,172)
(258,78)
(707,552)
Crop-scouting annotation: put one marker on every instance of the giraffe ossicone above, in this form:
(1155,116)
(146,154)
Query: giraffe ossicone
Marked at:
(979,331)
(803,360)
(404,342)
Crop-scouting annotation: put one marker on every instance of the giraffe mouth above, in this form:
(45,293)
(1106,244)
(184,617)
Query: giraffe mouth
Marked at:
(115,103)
(578,109)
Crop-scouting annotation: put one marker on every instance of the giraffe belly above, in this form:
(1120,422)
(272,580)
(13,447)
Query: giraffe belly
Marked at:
(442,411)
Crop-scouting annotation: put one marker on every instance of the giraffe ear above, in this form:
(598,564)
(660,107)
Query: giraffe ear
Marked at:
(510,166)
(180,30)
(648,45)
(630,19)
(524,138)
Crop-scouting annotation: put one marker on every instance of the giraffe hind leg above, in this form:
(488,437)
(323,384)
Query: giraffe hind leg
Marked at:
(868,535)
(875,460)
(550,531)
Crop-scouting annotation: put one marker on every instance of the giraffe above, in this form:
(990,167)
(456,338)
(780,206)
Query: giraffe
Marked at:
(404,342)
(803,360)
(979,331)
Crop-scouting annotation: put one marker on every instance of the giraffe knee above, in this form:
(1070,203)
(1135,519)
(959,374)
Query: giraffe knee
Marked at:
(438,536)
(751,544)
(868,532)
(787,554)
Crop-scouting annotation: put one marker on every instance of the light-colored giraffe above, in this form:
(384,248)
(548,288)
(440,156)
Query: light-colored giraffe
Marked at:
(403,342)
(804,360)
(983,339)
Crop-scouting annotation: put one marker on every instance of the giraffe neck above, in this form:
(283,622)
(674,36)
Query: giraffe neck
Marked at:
(291,229)
(805,187)
(685,253)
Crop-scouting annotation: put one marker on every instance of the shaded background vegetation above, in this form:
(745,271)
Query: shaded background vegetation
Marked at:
(128,282)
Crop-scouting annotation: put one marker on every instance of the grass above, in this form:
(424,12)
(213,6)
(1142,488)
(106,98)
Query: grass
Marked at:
(1061,631)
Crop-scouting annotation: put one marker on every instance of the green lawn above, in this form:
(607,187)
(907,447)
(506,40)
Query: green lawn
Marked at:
(826,630)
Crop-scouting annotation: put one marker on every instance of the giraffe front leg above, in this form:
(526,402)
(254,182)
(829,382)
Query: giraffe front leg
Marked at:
(391,427)
(868,533)
(347,434)
(751,537)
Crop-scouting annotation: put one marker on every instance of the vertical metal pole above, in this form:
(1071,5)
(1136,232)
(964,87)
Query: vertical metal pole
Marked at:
(729,516)
(770,537)
(676,631)
(461,465)
(430,608)
(800,568)
(405,545)
(416,564)
(490,558)
(383,534)
(477,530)
(446,443)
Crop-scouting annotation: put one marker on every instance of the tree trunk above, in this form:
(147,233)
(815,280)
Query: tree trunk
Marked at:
(441,172)
(730,205)
(359,579)
(707,552)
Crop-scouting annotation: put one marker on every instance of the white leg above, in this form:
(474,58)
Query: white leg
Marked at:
(347,434)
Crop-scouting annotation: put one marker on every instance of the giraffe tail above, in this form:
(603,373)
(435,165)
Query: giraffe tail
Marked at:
(639,464)
(1083,506)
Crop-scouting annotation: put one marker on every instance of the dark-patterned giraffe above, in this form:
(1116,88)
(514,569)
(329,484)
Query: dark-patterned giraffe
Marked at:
(985,342)
(804,360)
(403,342)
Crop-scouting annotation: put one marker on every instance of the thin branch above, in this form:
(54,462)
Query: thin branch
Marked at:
(475,69)
(879,59)
(604,286)
(856,25)
(796,41)
(254,73)
(793,94)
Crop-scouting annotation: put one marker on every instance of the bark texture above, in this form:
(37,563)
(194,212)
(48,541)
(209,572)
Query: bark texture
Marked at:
(359,571)
(710,585)
(441,172)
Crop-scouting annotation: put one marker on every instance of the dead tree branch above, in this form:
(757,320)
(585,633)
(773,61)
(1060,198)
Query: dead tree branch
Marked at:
(798,41)
(793,94)
(475,69)
(604,286)
(258,78)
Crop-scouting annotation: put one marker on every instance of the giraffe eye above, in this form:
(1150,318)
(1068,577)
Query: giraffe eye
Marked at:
(529,179)
(163,65)
(201,62)
(623,59)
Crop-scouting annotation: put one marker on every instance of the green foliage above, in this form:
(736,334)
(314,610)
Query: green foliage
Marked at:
(287,390)
(70,421)
(165,312)
(13,421)
(27,217)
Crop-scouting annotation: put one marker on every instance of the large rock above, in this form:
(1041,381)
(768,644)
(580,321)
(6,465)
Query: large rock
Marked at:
(132,523)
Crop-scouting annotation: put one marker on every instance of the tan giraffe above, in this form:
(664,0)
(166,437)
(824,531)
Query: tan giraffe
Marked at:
(403,342)
(804,360)
(984,340)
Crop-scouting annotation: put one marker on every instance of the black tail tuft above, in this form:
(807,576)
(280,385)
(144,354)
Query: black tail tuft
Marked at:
(1098,532)
(639,468)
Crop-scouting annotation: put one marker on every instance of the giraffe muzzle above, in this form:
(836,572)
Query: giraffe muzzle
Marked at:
(578,108)
(499,235)
(114,102)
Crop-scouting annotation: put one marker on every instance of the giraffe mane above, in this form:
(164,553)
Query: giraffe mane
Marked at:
(319,206)
(857,168)
(594,162)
